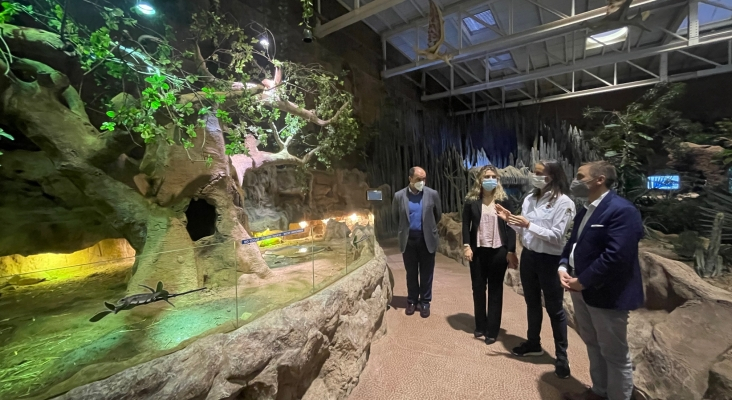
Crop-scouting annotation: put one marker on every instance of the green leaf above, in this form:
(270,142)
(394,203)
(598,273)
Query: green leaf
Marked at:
(645,136)
(192,78)
(611,154)
(111,114)
(6,135)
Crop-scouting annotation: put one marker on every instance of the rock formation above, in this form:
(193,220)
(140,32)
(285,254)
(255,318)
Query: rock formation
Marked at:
(277,196)
(701,159)
(451,236)
(314,349)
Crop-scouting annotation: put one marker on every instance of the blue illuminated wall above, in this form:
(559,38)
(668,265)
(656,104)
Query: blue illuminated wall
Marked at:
(664,182)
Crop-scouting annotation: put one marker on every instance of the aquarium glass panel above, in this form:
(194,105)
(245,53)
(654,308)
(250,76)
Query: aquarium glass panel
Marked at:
(362,244)
(63,326)
(289,256)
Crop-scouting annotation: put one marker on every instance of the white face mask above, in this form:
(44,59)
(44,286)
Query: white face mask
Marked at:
(419,186)
(538,182)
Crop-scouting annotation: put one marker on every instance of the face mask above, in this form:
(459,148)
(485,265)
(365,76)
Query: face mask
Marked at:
(579,189)
(489,184)
(419,186)
(538,182)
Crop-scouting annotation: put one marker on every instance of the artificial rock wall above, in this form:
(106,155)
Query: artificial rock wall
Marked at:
(277,196)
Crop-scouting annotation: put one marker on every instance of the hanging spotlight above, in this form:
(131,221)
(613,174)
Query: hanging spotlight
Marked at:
(307,35)
(145,8)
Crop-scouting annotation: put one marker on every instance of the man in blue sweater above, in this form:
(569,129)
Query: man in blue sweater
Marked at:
(600,267)
(417,210)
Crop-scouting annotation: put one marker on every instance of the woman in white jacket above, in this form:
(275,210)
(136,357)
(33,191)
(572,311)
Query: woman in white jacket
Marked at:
(541,227)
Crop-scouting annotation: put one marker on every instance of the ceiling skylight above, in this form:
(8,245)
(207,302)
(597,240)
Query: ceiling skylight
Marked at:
(607,38)
(475,26)
(710,15)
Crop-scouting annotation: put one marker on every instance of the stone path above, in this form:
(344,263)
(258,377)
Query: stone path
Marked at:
(438,358)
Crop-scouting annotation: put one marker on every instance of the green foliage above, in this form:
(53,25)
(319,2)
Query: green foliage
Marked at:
(5,135)
(664,214)
(307,12)
(725,132)
(172,104)
(626,138)
(10,9)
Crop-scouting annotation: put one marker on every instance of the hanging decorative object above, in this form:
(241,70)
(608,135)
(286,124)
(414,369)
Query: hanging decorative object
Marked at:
(435,36)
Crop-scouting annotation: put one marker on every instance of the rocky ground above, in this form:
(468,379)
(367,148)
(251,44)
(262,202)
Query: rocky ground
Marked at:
(680,342)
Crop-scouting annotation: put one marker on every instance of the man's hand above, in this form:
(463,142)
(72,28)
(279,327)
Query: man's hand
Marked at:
(564,279)
(468,253)
(513,261)
(518,220)
(575,285)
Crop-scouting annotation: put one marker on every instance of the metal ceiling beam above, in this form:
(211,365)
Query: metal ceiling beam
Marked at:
(351,17)
(592,62)
(446,12)
(605,89)
(537,34)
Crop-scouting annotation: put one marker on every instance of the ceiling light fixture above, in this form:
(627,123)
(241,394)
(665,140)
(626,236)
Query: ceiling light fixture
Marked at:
(145,8)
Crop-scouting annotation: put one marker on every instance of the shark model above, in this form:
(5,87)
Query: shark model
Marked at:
(130,302)
(616,17)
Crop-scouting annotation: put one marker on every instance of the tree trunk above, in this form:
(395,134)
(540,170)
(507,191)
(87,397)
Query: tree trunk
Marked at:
(48,111)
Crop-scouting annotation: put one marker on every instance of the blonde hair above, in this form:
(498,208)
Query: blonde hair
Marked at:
(476,193)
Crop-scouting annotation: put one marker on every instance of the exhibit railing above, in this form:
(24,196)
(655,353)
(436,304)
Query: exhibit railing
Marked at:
(62,325)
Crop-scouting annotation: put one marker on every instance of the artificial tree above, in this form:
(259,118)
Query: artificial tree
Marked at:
(91,85)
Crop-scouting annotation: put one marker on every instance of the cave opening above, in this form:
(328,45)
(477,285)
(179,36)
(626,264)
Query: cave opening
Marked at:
(201,218)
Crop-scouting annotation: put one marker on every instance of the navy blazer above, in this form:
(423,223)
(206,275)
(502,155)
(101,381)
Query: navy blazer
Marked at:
(606,256)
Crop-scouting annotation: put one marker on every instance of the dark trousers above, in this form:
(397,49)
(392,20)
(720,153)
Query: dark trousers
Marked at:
(488,268)
(420,266)
(539,274)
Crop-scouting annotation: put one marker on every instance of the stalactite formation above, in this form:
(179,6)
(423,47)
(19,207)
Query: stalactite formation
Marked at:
(448,147)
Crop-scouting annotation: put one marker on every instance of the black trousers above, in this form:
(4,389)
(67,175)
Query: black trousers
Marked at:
(539,274)
(488,268)
(420,266)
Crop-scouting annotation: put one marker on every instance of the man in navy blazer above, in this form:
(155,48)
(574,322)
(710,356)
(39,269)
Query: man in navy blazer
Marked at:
(600,267)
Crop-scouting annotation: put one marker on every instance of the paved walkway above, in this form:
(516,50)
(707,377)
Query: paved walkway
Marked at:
(438,358)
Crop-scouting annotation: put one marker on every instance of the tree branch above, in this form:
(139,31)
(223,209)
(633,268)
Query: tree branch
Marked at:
(201,65)
(310,155)
(42,46)
(308,115)
(276,133)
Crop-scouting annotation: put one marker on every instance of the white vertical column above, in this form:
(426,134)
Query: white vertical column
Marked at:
(693,22)
(664,67)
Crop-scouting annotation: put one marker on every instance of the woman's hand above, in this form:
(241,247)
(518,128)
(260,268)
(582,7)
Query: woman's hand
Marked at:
(468,253)
(502,212)
(518,220)
(513,261)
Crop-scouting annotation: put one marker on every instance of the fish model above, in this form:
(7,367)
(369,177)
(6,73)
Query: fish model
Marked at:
(130,302)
